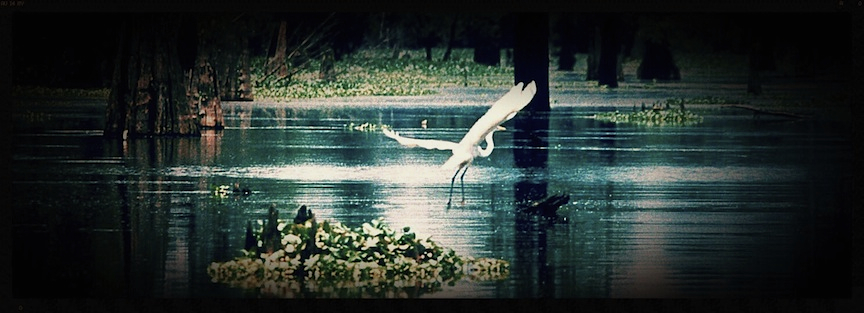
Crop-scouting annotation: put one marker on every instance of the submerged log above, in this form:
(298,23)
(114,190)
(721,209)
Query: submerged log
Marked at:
(757,111)
(547,207)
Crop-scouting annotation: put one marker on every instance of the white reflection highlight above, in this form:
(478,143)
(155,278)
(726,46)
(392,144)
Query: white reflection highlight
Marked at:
(405,175)
(647,270)
(664,174)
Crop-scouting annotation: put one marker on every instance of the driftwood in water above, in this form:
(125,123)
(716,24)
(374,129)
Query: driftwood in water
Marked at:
(757,111)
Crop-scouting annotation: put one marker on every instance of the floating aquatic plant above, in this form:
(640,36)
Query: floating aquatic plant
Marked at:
(222,191)
(365,127)
(332,260)
(657,114)
(652,117)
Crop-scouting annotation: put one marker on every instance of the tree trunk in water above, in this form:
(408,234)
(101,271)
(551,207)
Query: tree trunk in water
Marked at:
(531,63)
(326,71)
(761,59)
(658,63)
(565,29)
(203,91)
(232,57)
(487,53)
(607,65)
(451,39)
(486,50)
(761,39)
(148,94)
(531,56)
(754,84)
(245,73)
(592,62)
(234,77)
(566,59)
(276,63)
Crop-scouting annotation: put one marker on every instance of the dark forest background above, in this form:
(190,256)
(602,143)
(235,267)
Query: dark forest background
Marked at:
(79,49)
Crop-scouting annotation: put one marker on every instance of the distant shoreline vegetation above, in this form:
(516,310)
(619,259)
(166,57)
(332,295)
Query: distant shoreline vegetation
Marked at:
(375,72)
(369,72)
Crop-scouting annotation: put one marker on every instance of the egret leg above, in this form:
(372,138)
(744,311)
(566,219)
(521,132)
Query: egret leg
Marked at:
(462,183)
(452,180)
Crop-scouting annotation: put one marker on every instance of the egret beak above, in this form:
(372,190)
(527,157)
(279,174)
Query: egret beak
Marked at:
(499,127)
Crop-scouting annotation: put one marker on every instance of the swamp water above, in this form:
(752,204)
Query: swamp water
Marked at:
(731,207)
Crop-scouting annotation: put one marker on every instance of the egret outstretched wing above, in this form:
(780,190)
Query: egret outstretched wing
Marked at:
(504,109)
(422,143)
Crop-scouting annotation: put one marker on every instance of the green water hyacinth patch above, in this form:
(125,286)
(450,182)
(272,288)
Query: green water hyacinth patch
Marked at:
(222,191)
(668,117)
(328,259)
(365,127)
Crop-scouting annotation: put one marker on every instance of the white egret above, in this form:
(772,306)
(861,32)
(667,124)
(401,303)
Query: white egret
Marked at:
(468,148)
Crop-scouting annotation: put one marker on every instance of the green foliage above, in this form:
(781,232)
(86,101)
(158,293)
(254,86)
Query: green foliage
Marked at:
(376,73)
(331,259)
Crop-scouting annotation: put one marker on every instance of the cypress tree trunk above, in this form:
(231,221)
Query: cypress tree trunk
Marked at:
(232,56)
(592,61)
(148,94)
(607,65)
(276,63)
(658,62)
(531,63)
(203,92)
(326,71)
(761,58)
(485,39)
(205,84)
(566,59)
(486,52)
(451,39)
(245,92)
(531,56)
(565,29)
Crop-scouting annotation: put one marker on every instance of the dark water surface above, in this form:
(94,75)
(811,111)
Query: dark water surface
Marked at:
(731,207)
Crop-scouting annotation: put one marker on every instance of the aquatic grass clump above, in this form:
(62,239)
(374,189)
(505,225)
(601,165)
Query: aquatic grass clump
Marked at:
(330,259)
(221,191)
(365,127)
(666,117)
(700,100)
